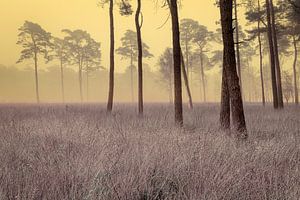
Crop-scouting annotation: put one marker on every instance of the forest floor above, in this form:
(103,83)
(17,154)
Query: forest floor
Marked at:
(79,152)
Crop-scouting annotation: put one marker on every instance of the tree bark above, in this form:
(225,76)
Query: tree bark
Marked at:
(80,80)
(237,109)
(261,59)
(225,102)
(140,58)
(272,57)
(36,78)
(131,78)
(112,58)
(276,53)
(186,82)
(62,80)
(295,70)
(177,62)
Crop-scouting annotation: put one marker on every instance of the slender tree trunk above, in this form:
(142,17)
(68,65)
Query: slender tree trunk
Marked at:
(131,78)
(237,109)
(87,85)
(225,102)
(170,84)
(202,76)
(272,57)
(80,81)
(37,93)
(261,59)
(140,58)
(177,62)
(62,80)
(237,35)
(276,52)
(186,82)
(295,71)
(112,58)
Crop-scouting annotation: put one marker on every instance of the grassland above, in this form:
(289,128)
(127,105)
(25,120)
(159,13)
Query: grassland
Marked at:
(60,152)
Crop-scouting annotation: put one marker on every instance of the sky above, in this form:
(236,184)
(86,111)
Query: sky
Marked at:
(55,15)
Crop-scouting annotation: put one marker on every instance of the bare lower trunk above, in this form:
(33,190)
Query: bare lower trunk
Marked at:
(37,93)
(186,82)
(170,85)
(87,86)
(202,77)
(112,59)
(225,103)
(276,54)
(237,109)
(131,79)
(295,71)
(177,62)
(80,82)
(140,59)
(62,81)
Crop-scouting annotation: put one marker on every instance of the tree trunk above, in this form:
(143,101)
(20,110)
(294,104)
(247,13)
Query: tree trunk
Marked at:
(177,62)
(140,58)
(37,93)
(261,59)
(272,57)
(62,80)
(112,58)
(170,84)
(186,81)
(276,52)
(131,78)
(238,44)
(225,102)
(295,71)
(202,76)
(237,109)
(80,81)
(87,85)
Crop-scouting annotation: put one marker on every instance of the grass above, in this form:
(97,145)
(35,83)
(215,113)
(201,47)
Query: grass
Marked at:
(73,152)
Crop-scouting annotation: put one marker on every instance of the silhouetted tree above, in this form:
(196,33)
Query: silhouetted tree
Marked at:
(230,73)
(129,50)
(35,41)
(165,64)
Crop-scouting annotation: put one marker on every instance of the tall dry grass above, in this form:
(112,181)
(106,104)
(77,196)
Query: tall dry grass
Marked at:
(69,152)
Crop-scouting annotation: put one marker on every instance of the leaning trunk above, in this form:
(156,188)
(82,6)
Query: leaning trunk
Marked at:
(272,57)
(186,81)
(112,58)
(238,118)
(276,54)
(140,58)
(177,62)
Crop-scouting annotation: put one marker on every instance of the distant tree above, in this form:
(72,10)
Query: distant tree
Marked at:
(287,86)
(35,42)
(129,50)
(165,64)
(201,38)
(125,9)
(231,79)
(83,49)
(61,53)
(187,29)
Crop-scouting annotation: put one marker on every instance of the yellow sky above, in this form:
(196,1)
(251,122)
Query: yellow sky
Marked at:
(55,15)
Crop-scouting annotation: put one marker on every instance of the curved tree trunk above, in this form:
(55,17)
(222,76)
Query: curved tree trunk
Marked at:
(177,62)
(295,71)
(140,58)
(276,54)
(112,58)
(272,57)
(237,109)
